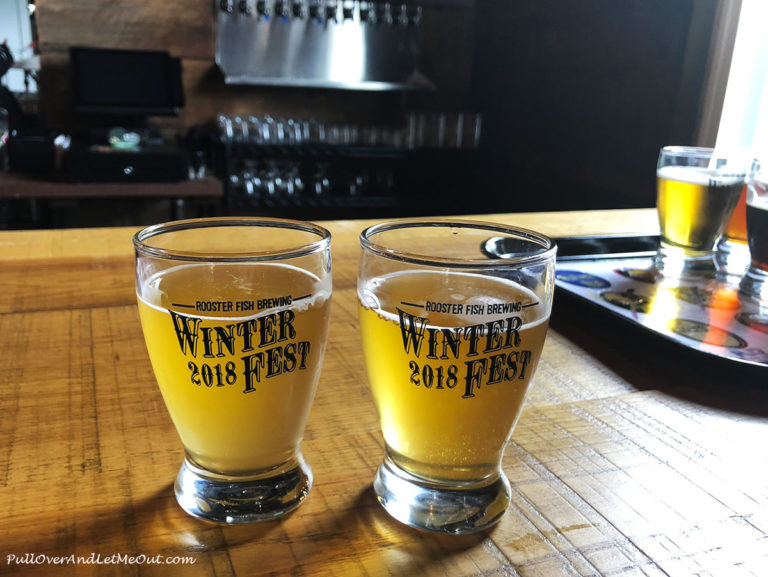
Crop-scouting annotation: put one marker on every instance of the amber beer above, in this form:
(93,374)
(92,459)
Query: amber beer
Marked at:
(732,250)
(237,372)
(757,216)
(736,228)
(755,280)
(449,372)
(694,206)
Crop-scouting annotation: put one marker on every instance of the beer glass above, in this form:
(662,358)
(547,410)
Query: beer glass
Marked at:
(452,337)
(235,318)
(697,190)
(732,250)
(755,281)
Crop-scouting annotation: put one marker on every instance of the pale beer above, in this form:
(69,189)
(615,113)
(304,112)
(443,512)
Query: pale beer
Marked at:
(235,317)
(453,316)
(694,204)
(450,359)
(236,351)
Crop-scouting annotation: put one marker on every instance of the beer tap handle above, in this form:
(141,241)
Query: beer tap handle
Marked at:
(246,7)
(384,13)
(368,12)
(348,10)
(262,9)
(281,9)
(416,19)
(402,18)
(314,10)
(227,6)
(331,11)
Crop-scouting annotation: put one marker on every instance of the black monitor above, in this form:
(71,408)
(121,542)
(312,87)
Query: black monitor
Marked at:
(125,83)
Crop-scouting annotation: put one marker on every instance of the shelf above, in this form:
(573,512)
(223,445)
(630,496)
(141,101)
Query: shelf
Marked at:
(24,186)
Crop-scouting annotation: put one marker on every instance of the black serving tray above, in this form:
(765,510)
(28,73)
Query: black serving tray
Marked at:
(615,274)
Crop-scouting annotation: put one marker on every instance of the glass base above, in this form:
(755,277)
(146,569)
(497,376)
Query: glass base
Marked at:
(755,284)
(442,509)
(675,262)
(731,257)
(230,500)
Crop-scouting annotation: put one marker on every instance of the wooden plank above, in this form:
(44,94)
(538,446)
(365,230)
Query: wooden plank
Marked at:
(38,285)
(92,418)
(14,185)
(185,30)
(586,469)
(54,269)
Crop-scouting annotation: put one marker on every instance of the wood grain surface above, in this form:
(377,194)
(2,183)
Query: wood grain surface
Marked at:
(631,458)
(17,185)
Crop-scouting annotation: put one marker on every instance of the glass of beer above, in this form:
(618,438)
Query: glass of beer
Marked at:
(755,281)
(235,318)
(452,336)
(732,251)
(697,190)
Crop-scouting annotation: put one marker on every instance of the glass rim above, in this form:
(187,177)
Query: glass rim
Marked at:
(757,183)
(549,248)
(738,153)
(695,151)
(145,249)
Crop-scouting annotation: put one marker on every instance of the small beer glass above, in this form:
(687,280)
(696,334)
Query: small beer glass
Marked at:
(697,190)
(755,281)
(452,336)
(235,318)
(732,250)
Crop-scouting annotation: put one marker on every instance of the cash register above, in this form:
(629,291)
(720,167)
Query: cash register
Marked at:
(115,94)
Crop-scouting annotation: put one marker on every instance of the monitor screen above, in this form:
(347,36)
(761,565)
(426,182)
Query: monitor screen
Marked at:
(126,82)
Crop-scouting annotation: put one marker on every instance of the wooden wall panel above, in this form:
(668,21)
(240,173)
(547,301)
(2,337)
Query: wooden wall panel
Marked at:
(187,30)
(207,96)
(447,52)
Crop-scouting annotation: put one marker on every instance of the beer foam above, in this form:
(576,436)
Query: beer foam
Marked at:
(368,298)
(697,175)
(152,293)
(467,320)
(758,202)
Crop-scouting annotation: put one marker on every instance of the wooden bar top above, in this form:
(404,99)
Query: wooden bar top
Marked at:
(26,186)
(630,458)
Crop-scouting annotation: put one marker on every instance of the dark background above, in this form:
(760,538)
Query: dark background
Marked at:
(578,97)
